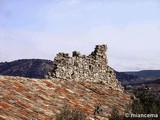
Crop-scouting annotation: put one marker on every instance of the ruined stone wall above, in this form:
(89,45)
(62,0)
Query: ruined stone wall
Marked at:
(92,68)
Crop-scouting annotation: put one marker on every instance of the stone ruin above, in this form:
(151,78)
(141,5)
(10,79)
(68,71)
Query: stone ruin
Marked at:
(91,68)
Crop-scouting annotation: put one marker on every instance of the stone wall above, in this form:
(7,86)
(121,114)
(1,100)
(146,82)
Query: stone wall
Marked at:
(92,68)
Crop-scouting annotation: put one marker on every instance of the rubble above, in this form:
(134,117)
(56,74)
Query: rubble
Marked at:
(91,68)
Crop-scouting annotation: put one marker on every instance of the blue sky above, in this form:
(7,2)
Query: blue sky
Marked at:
(42,28)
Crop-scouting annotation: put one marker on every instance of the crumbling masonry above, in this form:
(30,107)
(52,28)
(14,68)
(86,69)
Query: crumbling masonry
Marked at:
(91,68)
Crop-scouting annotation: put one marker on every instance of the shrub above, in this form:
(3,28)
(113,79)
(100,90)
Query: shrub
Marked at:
(148,103)
(70,114)
(115,115)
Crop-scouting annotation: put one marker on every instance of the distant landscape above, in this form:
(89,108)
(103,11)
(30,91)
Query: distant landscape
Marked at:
(38,68)
(79,60)
(33,67)
(140,87)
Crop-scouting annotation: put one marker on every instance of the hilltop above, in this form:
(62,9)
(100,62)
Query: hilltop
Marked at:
(32,68)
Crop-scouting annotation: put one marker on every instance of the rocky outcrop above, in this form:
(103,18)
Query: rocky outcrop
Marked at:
(91,68)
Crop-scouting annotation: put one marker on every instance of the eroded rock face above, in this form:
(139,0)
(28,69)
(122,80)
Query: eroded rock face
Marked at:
(91,68)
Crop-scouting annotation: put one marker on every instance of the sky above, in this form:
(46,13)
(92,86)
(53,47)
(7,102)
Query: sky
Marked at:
(42,28)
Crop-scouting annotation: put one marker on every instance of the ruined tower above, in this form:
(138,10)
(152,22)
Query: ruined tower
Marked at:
(91,68)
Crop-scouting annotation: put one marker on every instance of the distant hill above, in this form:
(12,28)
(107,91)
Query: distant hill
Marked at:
(32,68)
(154,85)
(139,77)
(122,76)
(146,73)
(37,68)
(157,81)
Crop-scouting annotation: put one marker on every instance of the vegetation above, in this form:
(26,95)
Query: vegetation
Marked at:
(115,115)
(70,114)
(148,103)
(145,103)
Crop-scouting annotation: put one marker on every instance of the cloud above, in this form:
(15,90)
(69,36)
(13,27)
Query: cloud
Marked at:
(1,2)
(136,37)
(72,2)
(16,44)
(132,47)
(130,29)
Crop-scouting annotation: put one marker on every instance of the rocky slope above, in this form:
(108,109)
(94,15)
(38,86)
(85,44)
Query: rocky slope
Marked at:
(26,98)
